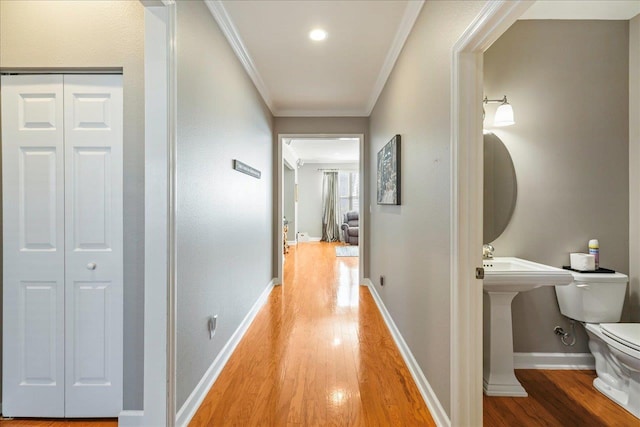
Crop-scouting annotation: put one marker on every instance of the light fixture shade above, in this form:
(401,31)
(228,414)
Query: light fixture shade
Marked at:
(504,115)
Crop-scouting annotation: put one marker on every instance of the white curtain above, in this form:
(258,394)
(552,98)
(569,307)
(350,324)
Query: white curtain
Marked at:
(330,220)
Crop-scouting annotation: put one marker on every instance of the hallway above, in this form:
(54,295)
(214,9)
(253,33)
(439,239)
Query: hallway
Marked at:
(318,353)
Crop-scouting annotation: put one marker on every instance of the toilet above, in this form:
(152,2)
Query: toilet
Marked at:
(596,300)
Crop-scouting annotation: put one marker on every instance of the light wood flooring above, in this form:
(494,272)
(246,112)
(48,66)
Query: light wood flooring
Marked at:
(556,398)
(317,354)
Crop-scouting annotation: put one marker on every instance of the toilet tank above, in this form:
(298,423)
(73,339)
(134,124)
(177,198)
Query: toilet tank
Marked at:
(593,298)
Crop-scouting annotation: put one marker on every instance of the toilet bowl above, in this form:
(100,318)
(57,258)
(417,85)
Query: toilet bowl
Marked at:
(596,300)
(616,349)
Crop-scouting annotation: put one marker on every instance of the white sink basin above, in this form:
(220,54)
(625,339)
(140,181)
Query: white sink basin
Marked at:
(504,278)
(508,274)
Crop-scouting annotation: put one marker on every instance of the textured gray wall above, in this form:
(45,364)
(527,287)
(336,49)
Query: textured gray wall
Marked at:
(310,195)
(224,218)
(72,34)
(568,82)
(289,200)
(410,243)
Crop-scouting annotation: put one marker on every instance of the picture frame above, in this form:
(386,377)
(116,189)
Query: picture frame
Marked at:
(389,173)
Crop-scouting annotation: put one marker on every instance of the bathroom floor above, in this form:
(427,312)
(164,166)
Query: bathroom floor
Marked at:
(556,398)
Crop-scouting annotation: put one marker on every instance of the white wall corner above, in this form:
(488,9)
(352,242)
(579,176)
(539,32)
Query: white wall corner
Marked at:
(435,407)
(131,419)
(195,399)
(554,361)
(634,168)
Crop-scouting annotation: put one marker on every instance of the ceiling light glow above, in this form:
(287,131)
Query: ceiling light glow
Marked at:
(318,34)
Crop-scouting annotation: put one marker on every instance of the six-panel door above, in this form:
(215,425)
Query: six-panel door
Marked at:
(63,255)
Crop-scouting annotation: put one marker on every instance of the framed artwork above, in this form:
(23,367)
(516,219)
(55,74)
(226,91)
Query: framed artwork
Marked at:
(389,173)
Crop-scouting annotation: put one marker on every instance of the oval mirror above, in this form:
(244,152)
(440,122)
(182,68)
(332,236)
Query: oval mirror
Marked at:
(500,187)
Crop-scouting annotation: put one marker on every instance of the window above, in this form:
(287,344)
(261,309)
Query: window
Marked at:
(348,191)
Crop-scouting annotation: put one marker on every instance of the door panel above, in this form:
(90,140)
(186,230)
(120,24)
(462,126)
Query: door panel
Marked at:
(37,198)
(91,198)
(33,245)
(94,253)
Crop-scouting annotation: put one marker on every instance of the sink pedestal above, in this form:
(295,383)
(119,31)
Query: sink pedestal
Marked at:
(498,376)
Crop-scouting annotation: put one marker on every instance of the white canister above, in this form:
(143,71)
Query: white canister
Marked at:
(594,249)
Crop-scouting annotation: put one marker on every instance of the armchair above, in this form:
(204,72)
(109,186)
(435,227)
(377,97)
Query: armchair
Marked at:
(351,227)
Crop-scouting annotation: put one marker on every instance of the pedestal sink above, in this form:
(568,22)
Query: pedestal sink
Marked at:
(504,278)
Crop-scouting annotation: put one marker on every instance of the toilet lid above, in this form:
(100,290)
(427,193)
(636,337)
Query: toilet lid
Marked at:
(625,333)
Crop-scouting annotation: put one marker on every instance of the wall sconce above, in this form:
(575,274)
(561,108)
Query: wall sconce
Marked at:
(504,113)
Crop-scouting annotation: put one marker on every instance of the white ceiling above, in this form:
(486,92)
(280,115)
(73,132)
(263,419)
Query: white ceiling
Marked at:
(341,76)
(583,9)
(344,75)
(326,150)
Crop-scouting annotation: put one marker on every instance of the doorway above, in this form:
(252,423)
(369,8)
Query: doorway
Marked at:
(306,159)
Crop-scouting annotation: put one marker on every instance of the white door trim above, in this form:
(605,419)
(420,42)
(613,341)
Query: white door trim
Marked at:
(466,207)
(159,286)
(280,199)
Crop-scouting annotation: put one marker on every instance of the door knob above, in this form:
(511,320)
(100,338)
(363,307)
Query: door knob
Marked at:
(91,266)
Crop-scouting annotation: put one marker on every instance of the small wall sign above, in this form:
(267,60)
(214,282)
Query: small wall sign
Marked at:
(245,168)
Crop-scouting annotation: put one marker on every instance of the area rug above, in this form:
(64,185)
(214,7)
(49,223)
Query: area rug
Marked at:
(347,251)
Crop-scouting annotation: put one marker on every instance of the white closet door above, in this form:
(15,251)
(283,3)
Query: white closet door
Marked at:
(93,115)
(33,235)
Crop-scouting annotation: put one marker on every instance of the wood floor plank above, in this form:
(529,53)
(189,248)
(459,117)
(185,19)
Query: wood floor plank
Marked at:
(556,399)
(317,354)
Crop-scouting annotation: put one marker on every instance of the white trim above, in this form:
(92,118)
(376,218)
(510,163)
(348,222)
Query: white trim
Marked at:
(159,59)
(404,29)
(466,207)
(230,31)
(315,239)
(195,399)
(556,361)
(295,112)
(435,407)
(292,242)
(131,419)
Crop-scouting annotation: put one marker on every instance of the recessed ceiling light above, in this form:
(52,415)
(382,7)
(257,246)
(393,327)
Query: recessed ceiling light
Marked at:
(318,34)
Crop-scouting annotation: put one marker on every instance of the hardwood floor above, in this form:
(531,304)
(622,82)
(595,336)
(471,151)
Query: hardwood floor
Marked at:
(317,354)
(556,398)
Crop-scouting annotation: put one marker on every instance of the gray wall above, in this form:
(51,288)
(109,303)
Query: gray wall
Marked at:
(224,218)
(46,34)
(410,243)
(289,200)
(634,168)
(568,84)
(327,125)
(310,195)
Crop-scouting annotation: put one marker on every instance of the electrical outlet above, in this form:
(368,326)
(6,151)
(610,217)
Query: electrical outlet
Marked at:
(381,280)
(212,323)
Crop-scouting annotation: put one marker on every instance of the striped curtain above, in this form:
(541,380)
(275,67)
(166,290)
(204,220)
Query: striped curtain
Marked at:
(330,221)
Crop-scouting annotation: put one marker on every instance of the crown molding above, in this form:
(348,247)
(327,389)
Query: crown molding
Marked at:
(231,33)
(404,29)
(300,112)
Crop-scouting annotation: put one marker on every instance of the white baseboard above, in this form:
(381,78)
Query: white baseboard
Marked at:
(315,239)
(195,399)
(131,419)
(557,361)
(292,242)
(435,407)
